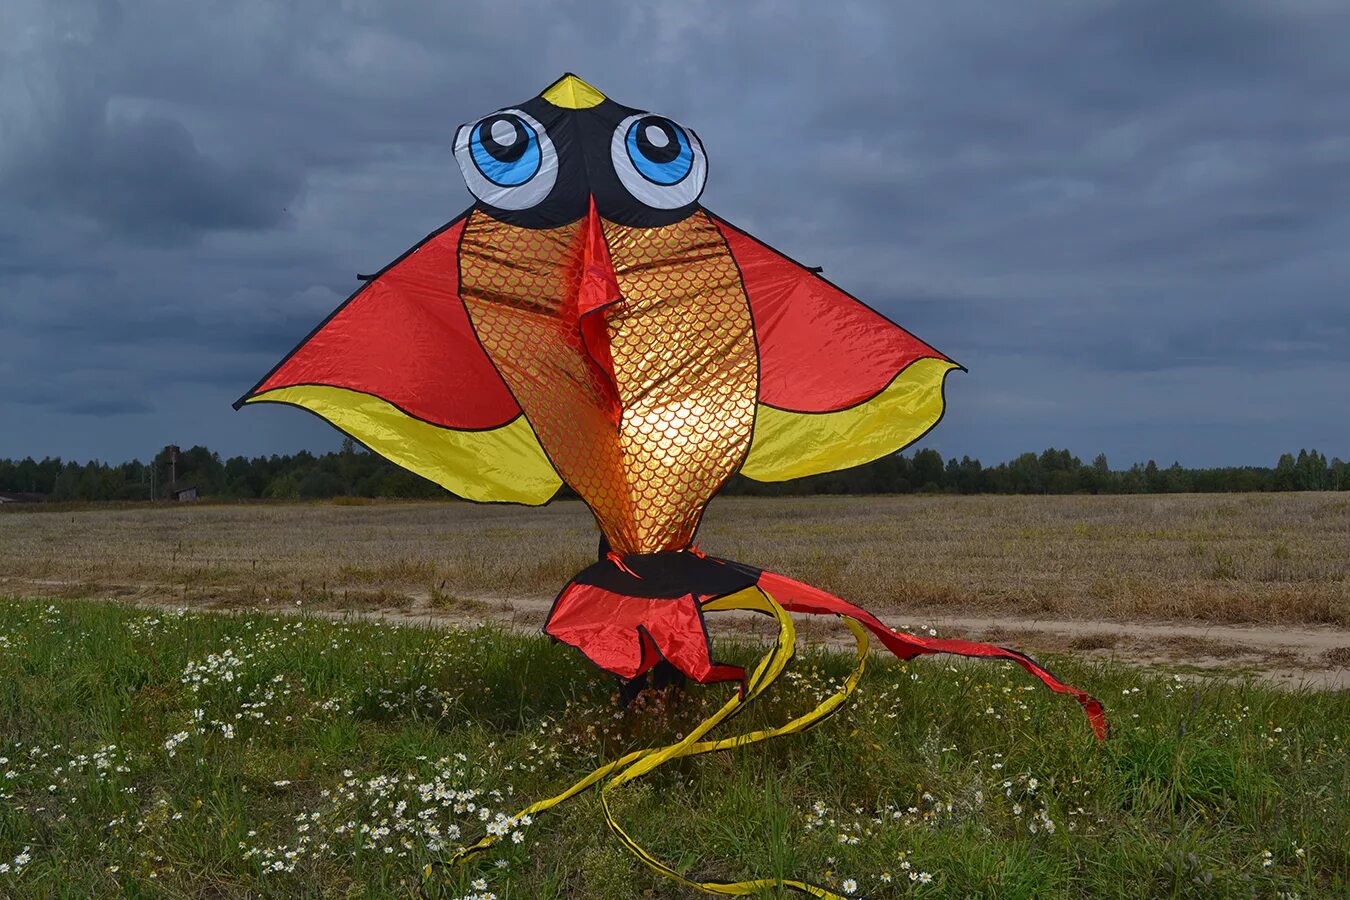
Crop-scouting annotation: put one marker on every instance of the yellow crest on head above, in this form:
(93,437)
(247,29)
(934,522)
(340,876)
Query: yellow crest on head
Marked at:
(570,92)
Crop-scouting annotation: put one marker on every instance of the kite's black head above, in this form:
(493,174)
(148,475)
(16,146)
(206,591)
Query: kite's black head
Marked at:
(539,164)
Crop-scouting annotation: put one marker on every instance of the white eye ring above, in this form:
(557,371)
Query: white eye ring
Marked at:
(653,193)
(528,193)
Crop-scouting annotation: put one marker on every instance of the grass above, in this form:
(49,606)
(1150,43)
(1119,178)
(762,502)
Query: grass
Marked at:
(149,754)
(1257,558)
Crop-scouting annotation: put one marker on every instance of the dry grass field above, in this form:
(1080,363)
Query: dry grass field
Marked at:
(1239,581)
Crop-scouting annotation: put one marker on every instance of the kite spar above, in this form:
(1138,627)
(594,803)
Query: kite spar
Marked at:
(587,321)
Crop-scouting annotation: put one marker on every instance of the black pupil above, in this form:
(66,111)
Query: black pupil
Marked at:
(508,152)
(665,153)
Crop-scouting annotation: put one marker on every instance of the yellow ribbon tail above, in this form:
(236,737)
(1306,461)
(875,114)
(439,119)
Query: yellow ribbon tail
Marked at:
(638,763)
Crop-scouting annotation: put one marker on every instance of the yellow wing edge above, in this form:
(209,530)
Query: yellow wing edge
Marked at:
(790,445)
(499,465)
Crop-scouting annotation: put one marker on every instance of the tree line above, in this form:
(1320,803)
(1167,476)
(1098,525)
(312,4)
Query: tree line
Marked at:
(354,472)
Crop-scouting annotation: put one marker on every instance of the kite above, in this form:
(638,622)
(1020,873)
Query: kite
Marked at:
(587,321)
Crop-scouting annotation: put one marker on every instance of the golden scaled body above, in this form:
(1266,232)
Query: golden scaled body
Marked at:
(647,435)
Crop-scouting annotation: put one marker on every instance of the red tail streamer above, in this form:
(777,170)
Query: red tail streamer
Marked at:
(798,597)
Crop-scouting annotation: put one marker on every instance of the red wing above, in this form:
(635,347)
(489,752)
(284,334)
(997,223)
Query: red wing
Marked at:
(406,338)
(820,349)
(840,384)
(399,367)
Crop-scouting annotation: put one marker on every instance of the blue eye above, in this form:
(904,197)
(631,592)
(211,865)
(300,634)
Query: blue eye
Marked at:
(507,159)
(505,149)
(659,163)
(659,150)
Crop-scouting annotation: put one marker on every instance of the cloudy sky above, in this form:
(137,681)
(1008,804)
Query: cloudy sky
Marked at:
(1129,220)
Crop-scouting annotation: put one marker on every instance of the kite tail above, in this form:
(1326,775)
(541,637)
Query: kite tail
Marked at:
(639,763)
(631,614)
(803,598)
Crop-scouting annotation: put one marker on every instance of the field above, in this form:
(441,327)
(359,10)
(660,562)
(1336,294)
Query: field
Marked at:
(1240,583)
(305,701)
(150,754)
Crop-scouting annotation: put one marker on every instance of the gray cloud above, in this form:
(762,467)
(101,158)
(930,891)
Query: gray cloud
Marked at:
(1127,218)
(144,176)
(73,144)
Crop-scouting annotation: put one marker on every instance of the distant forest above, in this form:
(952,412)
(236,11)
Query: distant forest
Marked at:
(354,472)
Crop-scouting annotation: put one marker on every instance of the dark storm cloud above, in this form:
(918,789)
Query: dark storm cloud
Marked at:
(75,144)
(144,176)
(1127,218)
(88,390)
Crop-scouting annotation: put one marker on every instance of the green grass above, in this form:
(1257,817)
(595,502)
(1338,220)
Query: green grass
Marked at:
(166,755)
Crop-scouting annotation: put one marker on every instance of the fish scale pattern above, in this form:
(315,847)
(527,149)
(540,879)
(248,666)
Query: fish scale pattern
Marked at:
(683,360)
(685,366)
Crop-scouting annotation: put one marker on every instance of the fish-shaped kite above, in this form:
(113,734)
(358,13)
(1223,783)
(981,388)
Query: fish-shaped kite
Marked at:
(587,321)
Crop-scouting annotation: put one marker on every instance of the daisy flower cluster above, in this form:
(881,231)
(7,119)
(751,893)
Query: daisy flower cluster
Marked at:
(420,814)
(883,826)
(55,785)
(18,864)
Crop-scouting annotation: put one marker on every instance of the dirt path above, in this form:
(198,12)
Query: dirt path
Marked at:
(1317,657)
(1311,657)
